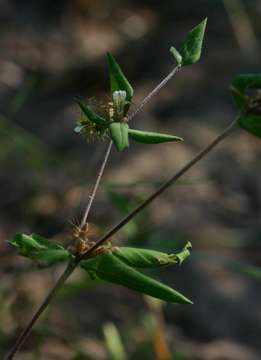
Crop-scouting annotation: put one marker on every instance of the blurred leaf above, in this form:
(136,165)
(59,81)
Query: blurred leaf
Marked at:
(43,251)
(250,270)
(119,135)
(23,94)
(251,123)
(239,87)
(146,258)
(149,137)
(248,105)
(176,54)
(100,122)
(16,141)
(241,267)
(121,202)
(113,342)
(119,81)
(192,45)
(109,268)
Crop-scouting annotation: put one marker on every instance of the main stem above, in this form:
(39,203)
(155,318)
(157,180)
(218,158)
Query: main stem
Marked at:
(73,264)
(23,336)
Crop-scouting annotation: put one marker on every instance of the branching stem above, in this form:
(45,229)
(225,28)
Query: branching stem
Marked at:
(163,187)
(107,154)
(73,264)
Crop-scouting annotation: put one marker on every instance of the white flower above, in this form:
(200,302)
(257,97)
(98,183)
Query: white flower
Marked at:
(119,100)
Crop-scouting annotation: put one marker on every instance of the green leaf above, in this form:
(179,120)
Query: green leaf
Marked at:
(93,117)
(119,81)
(119,135)
(184,253)
(251,123)
(149,137)
(50,257)
(43,251)
(146,258)
(192,45)
(176,54)
(248,104)
(26,244)
(109,268)
(239,87)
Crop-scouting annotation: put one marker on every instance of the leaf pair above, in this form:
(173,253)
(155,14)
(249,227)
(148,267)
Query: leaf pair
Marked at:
(120,134)
(39,249)
(118,266)
(246,92)
(191,47)
(119,131)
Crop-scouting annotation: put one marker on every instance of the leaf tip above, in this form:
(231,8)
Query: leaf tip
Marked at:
(184,300)
(109,55)
(189,302)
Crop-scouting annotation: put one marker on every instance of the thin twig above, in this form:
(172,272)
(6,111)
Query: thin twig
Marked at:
(96,186)
(154,92)
(23,336)
(163,187)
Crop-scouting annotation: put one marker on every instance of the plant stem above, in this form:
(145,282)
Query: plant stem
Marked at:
(163,187)
(96,185)
(154,91)
(73,264)
(21,339)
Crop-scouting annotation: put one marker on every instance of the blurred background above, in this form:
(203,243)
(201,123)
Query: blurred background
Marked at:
(54,51)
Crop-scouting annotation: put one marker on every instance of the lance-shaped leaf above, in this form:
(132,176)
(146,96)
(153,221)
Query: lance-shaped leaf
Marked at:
(192,45)
(109,268)
(119,135)
(251,123)
(119,81)
(176,54)
(99,121)
(146,258)
(43,251)
(239,87)
(148,137)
